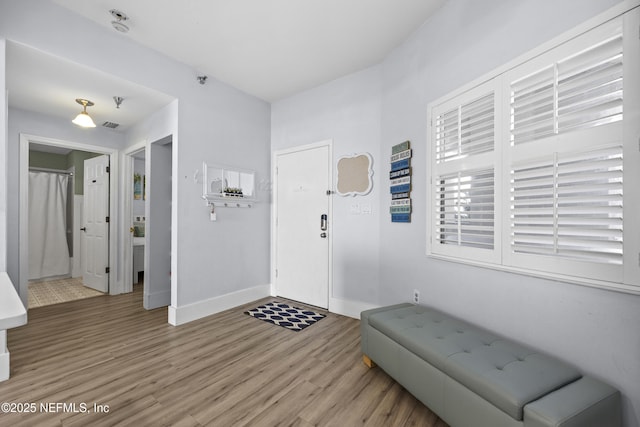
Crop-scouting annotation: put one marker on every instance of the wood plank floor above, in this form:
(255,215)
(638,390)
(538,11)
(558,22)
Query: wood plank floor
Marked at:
(225,370)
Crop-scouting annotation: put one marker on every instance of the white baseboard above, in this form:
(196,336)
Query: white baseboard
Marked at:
(4,357)
(190,312)
(4,366)
(197,310)
(348,308)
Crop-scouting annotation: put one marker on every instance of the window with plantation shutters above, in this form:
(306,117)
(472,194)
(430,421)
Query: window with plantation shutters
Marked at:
(565,159)
(538,167)
(463,183)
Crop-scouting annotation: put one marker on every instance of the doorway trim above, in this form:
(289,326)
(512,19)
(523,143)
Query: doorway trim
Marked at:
(115,286)
(127,210)
(274,210)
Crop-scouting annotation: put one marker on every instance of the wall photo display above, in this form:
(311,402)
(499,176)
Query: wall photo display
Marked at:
(400,186)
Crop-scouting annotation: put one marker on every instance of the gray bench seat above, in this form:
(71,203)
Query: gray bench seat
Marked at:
(496,381)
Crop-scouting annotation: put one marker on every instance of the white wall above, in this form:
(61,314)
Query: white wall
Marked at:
(595,329)
(346,111)
(217,123)
(3,162)
(592,328)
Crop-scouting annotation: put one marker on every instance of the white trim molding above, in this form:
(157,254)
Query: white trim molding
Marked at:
(115,285)
(197,310)
(349,308)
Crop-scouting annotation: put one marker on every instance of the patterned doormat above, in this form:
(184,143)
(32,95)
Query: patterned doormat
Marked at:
(293,318)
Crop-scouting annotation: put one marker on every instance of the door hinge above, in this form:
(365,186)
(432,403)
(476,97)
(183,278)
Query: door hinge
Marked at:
(276,272)
(108,169)
(106,219)
(107,270)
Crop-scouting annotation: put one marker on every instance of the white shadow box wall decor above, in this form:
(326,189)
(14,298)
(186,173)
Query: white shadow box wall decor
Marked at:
(228,186)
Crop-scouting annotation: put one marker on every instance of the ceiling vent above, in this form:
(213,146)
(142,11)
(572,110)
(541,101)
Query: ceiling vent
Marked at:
(110,125)
(120,17)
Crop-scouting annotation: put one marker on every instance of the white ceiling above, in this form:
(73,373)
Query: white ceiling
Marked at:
(267,48)
(49,85)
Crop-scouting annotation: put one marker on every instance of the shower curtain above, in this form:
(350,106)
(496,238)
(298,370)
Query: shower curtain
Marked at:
(48,250)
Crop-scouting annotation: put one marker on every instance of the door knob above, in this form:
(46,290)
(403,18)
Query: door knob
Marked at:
(83,229)
(131,230)
(323,235)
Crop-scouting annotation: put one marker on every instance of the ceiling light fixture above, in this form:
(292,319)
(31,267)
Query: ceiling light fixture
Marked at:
(120,18)
(83,119)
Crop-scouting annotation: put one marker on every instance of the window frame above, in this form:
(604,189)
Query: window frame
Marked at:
(469,164)
(627,278)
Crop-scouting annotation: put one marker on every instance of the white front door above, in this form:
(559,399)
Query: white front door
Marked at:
(95,258)
(303,229)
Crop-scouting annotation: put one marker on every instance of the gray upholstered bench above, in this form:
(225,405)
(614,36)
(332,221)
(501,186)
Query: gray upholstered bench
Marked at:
(472,377)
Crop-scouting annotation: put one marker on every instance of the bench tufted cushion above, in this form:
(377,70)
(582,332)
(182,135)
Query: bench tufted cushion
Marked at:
(504,373)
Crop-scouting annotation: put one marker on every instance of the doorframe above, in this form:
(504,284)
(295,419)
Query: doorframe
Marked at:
(23,233)
(127,213)
(274,210)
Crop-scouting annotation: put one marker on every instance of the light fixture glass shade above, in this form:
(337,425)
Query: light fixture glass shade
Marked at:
(84,120)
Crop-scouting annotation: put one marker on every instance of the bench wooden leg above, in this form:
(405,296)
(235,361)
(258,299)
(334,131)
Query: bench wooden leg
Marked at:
(370,363)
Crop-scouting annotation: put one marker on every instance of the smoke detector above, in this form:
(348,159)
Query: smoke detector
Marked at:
(118,24)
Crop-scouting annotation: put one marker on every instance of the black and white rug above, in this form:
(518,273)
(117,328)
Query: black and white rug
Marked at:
(284,315)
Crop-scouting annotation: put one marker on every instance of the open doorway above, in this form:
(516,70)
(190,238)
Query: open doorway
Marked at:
(149,209)
(134,216)
(55,216)
(61,262)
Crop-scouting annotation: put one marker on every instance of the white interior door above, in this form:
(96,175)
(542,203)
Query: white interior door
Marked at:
(302,225)
(157,267)
(95,258)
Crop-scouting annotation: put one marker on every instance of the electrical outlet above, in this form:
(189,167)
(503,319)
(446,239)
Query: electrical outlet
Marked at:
(416,296)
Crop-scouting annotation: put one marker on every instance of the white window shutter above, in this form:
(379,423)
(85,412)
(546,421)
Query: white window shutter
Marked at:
(579,91)
(569,206)
(465,212)
(590,87)
(466,130)
(463,186)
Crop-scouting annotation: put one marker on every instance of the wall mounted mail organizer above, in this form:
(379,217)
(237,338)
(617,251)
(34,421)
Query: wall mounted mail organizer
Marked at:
(228,187)
(400,177)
